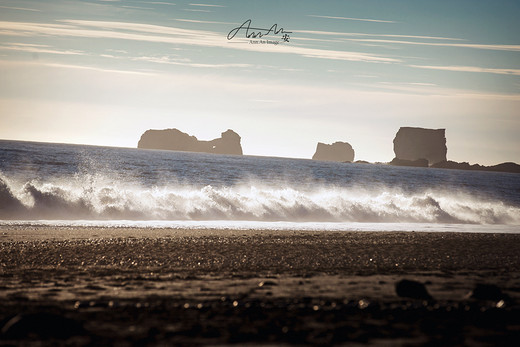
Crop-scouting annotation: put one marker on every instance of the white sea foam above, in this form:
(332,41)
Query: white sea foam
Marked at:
(101,198)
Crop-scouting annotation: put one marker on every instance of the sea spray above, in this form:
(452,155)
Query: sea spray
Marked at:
(70,182)
(71,200)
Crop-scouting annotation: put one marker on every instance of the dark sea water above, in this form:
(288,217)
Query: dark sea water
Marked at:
(59,184)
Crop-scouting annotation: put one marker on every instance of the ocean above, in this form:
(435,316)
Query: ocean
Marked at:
(79,185)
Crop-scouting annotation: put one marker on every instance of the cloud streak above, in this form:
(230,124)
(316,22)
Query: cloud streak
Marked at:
(355,19)
(335,33)
(76,67)
(202,21)
(160,3)
(514,72)
(435,91)
(173,35)
(207,5)
(196,10)
(20,8)
(137,8)
(495,47)
(186,62)
(31,48)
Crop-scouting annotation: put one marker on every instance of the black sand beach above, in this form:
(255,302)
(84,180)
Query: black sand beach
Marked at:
(127,286)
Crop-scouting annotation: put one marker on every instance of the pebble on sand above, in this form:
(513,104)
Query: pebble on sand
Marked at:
(44,325)
(488,292)
(412,289)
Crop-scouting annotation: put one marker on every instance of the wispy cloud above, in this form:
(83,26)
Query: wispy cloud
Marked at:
(334,55)
(495,47)
(161,3)
(137,7)
(182,61)
(173,35)
(422,84)
(356,19)
(196,10)
(207,5)
(488,96)
(20,8)
(117,50)
(76,67)
(515,72)
(32,48)
(416,37)
(335,33)
(365,76)
(202,21)
(186,62)
(138,27)
(433,90)
(298,38)
(82,67)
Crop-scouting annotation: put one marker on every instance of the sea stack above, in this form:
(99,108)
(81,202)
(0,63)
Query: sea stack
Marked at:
(338,151)
(176,140)
(412,144)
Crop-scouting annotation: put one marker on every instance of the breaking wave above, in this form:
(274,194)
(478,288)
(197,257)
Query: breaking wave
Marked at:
(88,198)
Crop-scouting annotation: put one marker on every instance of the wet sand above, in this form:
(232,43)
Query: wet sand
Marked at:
(106,286)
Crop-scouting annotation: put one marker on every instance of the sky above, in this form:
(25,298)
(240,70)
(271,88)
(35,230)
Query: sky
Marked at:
(102,72)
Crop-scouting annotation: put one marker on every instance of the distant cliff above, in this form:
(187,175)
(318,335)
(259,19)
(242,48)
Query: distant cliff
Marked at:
(338,151)
(412,144)
(176,140)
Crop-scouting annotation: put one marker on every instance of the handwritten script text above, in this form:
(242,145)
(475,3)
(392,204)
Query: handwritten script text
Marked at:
(254,33)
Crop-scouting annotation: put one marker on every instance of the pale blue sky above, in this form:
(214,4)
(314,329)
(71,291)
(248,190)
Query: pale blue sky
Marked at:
(102,72)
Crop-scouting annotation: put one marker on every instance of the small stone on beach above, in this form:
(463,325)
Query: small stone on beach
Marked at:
(43,325)
(487,292)
(412,289)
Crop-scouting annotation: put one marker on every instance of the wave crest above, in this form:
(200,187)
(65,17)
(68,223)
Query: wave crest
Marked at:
(88,198)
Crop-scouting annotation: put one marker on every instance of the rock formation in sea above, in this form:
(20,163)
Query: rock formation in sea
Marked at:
(338,151)
(504,167)
(176,140)
(419,143)
(414,163)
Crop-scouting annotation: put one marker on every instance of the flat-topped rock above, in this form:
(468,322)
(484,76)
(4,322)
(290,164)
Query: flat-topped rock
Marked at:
(338,151)
(418,143)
